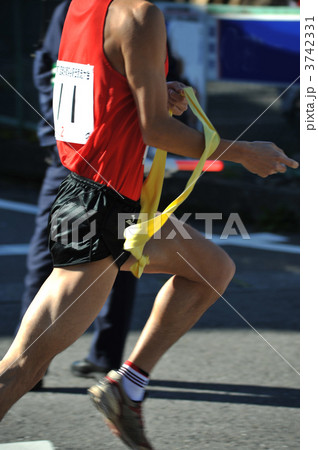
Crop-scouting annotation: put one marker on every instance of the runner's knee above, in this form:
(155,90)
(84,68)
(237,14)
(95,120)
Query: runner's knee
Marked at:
(222,274)
(228,271)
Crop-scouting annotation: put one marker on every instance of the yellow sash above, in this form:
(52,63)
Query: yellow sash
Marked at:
(137,235)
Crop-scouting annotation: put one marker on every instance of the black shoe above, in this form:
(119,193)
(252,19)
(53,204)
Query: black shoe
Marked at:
(86,369)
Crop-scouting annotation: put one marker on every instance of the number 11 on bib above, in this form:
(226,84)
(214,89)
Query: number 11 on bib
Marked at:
(73,102)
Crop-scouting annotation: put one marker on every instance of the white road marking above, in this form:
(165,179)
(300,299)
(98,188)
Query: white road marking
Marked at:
(14,249)
(18,206)
(260,241)
(30,445)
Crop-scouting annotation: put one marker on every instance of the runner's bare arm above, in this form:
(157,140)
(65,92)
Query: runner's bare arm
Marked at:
(259,157)
(262,158)
(143,49)
(144,52)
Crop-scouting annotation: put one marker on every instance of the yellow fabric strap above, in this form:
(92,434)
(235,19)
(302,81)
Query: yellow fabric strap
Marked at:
(148,223)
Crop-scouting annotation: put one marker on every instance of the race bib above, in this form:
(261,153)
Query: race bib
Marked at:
(73,102)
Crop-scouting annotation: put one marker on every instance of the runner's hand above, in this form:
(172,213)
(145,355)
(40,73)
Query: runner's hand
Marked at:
(265,158)
(177,102)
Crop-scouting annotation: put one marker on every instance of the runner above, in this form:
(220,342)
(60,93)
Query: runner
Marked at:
(118,103)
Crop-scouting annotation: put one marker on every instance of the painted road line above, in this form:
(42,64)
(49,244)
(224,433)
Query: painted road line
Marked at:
(18,206)
(259,241)
(30,445)
(14,249)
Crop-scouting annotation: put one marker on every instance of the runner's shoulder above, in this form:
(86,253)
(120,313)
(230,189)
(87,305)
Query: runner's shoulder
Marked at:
(138,15)
(146,12)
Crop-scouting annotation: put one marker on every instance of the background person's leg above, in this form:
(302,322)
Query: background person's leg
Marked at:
(39,261)
(112,323)
(63,309)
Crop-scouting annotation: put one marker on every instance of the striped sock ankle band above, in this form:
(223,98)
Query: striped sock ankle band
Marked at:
(134,380)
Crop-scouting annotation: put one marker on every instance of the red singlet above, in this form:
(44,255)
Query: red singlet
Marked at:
(114,150)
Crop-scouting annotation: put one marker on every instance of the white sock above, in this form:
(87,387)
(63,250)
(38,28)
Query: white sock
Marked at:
(135,381)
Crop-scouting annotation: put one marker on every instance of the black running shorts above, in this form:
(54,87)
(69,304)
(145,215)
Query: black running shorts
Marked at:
(87,221)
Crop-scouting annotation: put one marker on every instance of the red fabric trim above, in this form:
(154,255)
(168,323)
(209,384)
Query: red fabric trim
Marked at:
(136,368)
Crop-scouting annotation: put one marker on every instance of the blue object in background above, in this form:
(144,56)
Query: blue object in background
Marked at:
(254,50)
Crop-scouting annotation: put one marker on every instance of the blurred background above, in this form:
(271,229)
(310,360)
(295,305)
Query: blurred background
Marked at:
(240,55)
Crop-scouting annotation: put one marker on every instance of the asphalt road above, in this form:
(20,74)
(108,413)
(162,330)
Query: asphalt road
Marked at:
(230,383)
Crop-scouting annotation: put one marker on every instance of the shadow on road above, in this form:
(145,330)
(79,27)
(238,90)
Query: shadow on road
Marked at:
(209,392)
(225,393)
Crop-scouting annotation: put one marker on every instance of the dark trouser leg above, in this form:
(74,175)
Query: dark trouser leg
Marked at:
(39,263)
(112,323)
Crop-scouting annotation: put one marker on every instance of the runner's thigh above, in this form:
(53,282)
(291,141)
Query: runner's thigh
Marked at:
(180,249)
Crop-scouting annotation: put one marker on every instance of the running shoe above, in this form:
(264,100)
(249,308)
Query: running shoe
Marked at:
(123,415)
